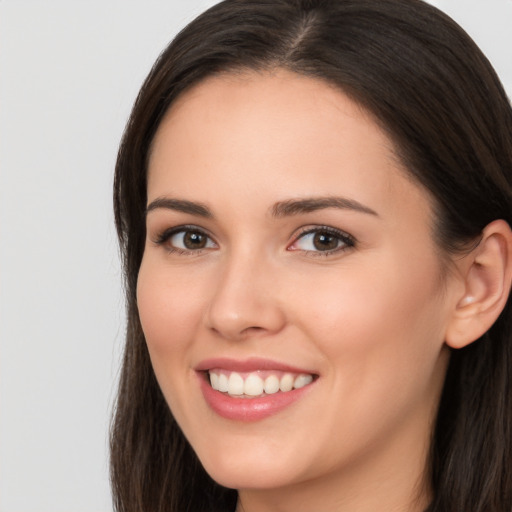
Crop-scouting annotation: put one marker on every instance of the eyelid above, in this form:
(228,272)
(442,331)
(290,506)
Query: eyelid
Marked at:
(164,236)
(348,240)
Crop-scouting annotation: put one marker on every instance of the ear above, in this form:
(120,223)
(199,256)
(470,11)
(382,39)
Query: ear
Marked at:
(487,275)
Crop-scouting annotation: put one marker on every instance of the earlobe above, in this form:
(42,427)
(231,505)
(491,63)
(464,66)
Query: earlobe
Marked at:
(487,282)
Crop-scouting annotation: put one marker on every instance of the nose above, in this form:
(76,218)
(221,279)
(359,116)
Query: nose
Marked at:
(245,301)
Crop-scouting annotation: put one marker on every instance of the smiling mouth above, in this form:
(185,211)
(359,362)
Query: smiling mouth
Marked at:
(256,384)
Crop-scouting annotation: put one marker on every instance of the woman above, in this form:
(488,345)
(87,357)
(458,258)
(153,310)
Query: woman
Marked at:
(313,200)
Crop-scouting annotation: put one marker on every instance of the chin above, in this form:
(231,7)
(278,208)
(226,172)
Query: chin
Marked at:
(251,471)
(249,478)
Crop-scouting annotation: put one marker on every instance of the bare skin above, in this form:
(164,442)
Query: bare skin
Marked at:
(351,290)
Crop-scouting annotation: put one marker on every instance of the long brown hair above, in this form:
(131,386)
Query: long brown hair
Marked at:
(440,101)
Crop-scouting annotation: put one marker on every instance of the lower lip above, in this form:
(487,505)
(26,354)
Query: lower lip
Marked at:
(249,409)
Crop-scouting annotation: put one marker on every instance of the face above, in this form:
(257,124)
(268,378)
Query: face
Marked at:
(290,264)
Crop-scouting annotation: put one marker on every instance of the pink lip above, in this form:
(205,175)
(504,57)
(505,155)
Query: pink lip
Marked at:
(249,365)
(248,409)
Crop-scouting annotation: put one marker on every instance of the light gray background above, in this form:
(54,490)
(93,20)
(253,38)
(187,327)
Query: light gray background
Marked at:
(69,72)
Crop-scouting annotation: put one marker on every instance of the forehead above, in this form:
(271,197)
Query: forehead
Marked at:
(277,133)
(279,99)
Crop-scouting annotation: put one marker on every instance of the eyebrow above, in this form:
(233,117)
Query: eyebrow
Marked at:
(286,208)
(307,205)
(180,205)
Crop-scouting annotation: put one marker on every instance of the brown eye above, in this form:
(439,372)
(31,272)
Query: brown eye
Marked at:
(194,240)
(187,240)
(325,241)
(322,240)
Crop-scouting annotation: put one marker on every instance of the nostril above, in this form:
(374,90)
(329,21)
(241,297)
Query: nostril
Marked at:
(252,330)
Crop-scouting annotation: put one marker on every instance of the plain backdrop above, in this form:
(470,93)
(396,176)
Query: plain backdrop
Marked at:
(69,72)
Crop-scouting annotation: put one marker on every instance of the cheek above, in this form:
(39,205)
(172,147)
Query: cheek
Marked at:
(170,308)
(382,340)
(372,322)
(170,311)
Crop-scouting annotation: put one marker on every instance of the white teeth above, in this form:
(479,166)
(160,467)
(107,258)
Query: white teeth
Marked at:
(302,380)
(286,383)
(223,383)
(271,384)
(214,380)
(254,385)
(235,384)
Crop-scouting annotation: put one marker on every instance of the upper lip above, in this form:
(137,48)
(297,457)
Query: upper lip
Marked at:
(248,365)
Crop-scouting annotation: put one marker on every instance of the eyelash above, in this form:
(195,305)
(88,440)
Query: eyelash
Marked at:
(345,239)
(164,237)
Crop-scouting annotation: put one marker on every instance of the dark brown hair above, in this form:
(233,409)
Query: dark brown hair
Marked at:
(440,101)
